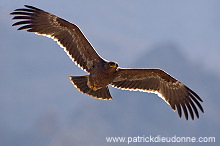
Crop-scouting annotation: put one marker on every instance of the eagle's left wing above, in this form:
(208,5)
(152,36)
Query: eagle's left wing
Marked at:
(66,34)
(173,92)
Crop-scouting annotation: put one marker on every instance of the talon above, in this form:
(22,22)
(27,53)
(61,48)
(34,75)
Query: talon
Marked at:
(92,87)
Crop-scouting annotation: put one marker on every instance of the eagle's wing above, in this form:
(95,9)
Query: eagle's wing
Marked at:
(65,33)
(173,92)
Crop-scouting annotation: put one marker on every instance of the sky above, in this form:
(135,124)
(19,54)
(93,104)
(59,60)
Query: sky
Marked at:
(39,105)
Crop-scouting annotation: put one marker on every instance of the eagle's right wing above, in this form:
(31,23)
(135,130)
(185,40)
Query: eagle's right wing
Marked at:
(66,34)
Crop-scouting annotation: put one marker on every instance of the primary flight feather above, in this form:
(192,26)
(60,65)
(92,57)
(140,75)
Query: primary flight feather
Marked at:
(102,72)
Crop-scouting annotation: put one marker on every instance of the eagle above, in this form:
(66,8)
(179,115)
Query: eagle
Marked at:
(101,72)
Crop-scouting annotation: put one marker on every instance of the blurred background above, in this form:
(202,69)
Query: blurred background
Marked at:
(40,107)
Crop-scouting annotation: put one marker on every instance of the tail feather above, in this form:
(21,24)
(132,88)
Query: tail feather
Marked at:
(80,82)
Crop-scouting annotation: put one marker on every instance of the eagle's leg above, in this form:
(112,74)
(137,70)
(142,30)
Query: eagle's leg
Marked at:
(91,86)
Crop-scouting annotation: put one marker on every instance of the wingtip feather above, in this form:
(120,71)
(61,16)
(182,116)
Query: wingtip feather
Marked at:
(31,7)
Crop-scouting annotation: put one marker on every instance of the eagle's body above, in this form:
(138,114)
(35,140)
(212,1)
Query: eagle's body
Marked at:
(102,72)
(102,75)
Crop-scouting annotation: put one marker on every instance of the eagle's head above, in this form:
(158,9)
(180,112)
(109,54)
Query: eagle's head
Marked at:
(112,66)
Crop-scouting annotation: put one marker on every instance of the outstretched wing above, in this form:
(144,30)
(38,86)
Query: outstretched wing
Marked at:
(65,33)
(173,92)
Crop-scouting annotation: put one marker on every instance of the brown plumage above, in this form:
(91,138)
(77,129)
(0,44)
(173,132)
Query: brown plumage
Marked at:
(102,72)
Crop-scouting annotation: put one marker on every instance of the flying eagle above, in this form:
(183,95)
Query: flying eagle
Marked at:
(102,72)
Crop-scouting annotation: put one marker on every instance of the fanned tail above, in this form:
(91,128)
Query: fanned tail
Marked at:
(80,82)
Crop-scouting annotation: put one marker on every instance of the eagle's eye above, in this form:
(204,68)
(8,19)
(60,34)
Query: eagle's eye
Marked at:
(113,64)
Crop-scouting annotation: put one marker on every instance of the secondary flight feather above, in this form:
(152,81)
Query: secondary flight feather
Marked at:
(102,72)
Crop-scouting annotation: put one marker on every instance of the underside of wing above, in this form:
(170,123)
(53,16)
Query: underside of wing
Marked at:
(173,92)
(67,35)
